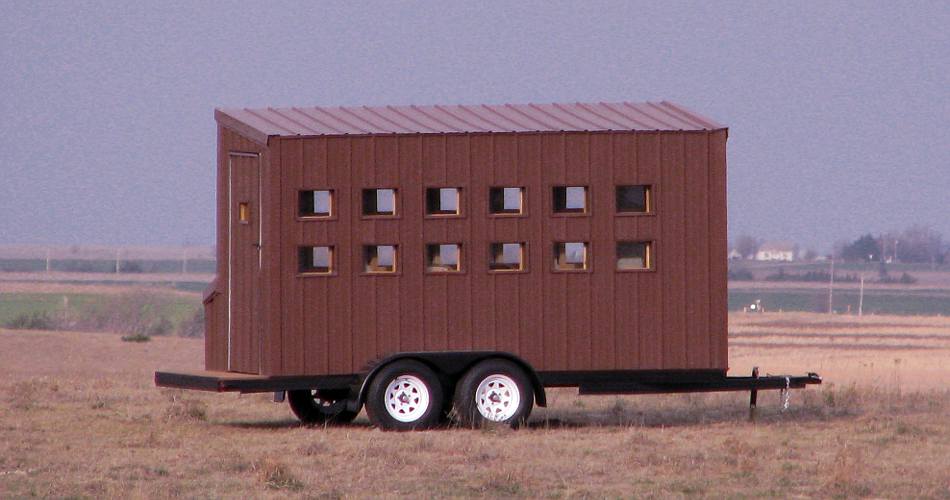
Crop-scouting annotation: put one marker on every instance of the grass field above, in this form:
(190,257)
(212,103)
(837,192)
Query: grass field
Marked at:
(876,301)
(96,307)
(12,305)
(79,417)
(16,304)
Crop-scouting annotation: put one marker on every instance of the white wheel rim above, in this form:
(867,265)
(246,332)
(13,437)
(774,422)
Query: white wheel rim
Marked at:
(407,398)
(497,398)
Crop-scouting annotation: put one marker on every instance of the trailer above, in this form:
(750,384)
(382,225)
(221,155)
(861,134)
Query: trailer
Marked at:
(423,261)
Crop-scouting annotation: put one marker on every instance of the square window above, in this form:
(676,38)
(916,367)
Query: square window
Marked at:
(570,256)
(443,258)
(634,199)
(379,258)
(506,257)
(442,201)
(634,255)
(379,202)
(506,200)
(570,199)
(317,260)
(315,203)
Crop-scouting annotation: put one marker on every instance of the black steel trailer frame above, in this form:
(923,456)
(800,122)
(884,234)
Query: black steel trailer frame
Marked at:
(589,383)
(450,365)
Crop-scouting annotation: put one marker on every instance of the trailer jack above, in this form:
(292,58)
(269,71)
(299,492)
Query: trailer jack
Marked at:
(785,393)
(753,395)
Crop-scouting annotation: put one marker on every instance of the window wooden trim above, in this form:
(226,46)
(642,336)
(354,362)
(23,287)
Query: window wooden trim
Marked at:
(334,259)
(397,265)
(525,253)
(460,199)
(588,260)
(397,208)
(334,207)
(244,212)
(463,254)
(651,257)
(651,204)
(588,197)
(512,215)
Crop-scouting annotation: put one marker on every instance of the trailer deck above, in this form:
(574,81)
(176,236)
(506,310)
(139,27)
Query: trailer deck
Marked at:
(218,381)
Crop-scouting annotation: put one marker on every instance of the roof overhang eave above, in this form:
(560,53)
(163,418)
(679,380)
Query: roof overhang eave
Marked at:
(252,133)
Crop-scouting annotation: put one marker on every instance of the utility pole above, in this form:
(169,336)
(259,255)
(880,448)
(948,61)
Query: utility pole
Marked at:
(117,261)
(861,299)
(184,260)
(47,260)
(831,287)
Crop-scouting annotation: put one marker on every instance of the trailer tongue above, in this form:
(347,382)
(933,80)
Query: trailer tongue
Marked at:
(689,382)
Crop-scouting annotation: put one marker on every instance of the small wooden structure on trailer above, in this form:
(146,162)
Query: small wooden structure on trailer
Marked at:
(420,258)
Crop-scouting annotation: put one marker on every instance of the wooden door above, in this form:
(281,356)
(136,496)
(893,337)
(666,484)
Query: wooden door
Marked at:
(244,262)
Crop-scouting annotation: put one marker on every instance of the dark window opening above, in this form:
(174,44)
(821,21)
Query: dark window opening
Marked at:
(570,256)
(443,258)
(317,260)
(506,257)
(316,203)
(570,199)
(379,202)
(634,199)
(506,200)
(379,258)
(442,201)
(634,255)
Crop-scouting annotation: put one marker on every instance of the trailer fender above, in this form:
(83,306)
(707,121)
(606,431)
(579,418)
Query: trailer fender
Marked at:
(451,364)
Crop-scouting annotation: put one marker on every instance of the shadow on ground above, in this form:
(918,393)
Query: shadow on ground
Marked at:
(624,413)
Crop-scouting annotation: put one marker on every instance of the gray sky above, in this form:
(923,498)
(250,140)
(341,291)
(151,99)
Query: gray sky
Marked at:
(839,113)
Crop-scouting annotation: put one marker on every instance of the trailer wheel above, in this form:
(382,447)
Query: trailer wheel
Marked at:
(320,406)
(495,391)
(404,395)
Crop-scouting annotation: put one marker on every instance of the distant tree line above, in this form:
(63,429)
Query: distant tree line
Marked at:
(747,245)
(916,244)
(813,276)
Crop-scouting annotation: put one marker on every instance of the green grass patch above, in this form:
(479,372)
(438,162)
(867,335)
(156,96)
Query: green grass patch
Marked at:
(900,302)
(138,337)
(14,306)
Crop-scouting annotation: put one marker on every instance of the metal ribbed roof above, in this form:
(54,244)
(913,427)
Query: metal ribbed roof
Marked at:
(261,123)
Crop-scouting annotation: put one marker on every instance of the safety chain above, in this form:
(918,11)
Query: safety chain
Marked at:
(786,393)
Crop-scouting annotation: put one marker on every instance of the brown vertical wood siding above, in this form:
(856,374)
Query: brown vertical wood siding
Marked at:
(671,317)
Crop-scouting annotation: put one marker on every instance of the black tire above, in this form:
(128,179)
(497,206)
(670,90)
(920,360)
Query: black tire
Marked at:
(321,406)
(404,395)
(508,394)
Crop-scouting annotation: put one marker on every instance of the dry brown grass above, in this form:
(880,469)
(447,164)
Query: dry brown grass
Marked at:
(79,417)
(892,352)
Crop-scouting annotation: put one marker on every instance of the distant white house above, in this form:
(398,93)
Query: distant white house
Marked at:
(776,251)
(734,254)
